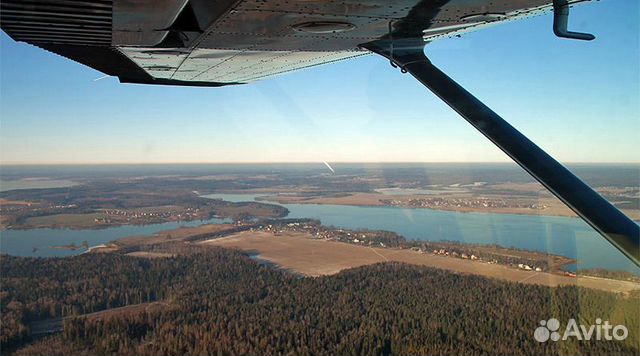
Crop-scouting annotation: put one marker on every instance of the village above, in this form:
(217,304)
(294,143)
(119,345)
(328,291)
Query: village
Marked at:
(451,203)
(149,215)
(315,229)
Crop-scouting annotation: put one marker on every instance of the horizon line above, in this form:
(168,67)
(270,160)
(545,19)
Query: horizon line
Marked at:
(288,162)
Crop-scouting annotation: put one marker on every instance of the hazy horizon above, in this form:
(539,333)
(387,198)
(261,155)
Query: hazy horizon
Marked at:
(298,162)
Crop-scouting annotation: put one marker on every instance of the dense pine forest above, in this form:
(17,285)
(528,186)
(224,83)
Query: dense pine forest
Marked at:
(221,302)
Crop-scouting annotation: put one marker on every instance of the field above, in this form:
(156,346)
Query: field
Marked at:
(110,217)
(300,253)
(76,221)
(14,202)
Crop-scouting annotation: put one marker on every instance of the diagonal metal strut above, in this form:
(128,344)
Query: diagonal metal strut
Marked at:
(612,224)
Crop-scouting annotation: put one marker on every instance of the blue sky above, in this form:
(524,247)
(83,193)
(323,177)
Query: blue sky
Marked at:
(578,100)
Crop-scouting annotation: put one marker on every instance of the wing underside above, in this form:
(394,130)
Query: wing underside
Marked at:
(214,43)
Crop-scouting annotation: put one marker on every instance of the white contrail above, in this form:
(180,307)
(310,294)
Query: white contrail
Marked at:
(328,166)
(104,76)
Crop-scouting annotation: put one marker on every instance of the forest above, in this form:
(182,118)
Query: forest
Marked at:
(221,302)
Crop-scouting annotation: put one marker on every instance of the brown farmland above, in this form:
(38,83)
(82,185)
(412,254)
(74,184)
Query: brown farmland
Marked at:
(300,253)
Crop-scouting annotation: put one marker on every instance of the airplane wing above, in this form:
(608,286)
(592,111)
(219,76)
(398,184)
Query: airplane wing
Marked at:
(222,42)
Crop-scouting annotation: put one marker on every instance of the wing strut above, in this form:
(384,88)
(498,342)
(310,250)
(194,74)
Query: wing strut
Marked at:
(612,224)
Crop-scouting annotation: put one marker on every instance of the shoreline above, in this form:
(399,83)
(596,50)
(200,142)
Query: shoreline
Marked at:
(471,211)
(366,200)
(311,257)
(560,210)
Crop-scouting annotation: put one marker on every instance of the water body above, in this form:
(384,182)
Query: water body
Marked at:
(565,236)
(23,242)
(34,183)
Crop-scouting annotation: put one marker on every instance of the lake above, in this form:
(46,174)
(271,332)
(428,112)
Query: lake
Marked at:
(565,236)
(22,242)
(34,183)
